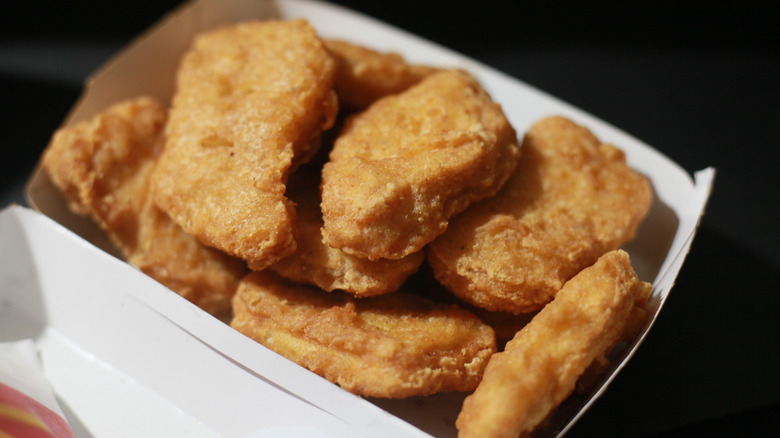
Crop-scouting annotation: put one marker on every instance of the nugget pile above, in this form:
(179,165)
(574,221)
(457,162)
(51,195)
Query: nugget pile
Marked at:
(304,187)
(571,200)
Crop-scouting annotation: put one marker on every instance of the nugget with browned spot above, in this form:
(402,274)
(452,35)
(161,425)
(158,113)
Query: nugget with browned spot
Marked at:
(251,101)
(103,166)
(402,168)
(317,264)
(571,199)
(391,346)
(365,75)
(541,365)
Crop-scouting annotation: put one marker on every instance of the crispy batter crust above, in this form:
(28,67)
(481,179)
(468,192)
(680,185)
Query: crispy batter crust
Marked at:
(103,166)
(391,346)
(251,101)
(571,199)
(540,366)
(366,75)
(317,264)
(403,167)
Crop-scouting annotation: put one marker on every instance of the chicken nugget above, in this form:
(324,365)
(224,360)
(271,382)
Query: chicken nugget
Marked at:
(103,166)
(391,346)
(366,75)
(317,264)
(251,102)
(540,366)
(403,167)
(571,199)
(504,324)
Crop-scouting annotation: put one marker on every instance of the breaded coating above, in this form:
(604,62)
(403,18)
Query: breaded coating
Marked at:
(103,166)
(504,324)
(251,102)
(571,199)
(542,363)
(391,346)
(317,264)
(366,75)
(403,167)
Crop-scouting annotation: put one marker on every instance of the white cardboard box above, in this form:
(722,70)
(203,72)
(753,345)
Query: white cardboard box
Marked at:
(150,361)
(129,358)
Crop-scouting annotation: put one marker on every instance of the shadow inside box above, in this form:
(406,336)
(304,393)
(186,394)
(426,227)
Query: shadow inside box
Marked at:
(712,352)
(654,237)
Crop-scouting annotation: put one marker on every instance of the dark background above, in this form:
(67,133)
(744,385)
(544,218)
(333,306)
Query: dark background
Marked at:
(699,82)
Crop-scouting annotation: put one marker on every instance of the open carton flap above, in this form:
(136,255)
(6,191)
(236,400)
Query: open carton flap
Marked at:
(148,66)
(122,368)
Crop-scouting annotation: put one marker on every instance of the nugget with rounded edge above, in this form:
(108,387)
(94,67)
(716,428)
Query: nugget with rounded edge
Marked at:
(251,102)
(403,167)
(365,75)
(391,346)
(540,366)
(571,199)
(317,264)
(103,166)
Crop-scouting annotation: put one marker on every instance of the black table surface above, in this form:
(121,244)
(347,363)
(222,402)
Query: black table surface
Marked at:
(697,82)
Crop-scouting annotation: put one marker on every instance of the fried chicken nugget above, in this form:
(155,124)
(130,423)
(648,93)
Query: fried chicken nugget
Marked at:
(540,366)
(251,102)
(403,167)
(570,200)
(391,346)
(504,324)
(103,166)
(317,264)
(366,75)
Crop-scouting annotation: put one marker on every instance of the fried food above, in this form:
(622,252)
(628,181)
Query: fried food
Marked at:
(541,364)
(317,264)
(103,166)
(366,75)
(504,324)
(251,102)
(403,167)
(391,346)
(571,199)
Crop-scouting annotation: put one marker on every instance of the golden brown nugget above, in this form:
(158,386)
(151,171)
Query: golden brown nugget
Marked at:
(251,102)
(571,199)
(390,346)
(541,364)
(317,264)
(504,324)
(366,75)
(103,166)
(403,167)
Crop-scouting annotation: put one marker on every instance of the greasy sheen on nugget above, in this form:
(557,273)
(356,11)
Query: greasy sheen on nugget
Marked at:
(366,75)
(103,166)
(571,199)
(317,264)
(540,366)
(391,346)
(400,169)
(251,102)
